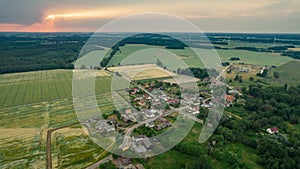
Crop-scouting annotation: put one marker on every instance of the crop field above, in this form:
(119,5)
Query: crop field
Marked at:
(74,149)
(191,59)
(141,72)
(32,103)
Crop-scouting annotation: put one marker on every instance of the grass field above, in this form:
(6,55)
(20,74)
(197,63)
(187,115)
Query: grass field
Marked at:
(288,73)
(135,54)
(256,58)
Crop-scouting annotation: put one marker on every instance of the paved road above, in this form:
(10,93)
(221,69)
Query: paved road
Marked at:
(228,86)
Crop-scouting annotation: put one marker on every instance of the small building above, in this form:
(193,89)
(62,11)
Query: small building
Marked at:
(173,101)
(273,130)
(125,161)
(140,149)
(147,143)
(149,114)
(229,98)
(163,125)
(146,96)
(128,111)
(150,124)
(138,166)
(142,103)
(139,137)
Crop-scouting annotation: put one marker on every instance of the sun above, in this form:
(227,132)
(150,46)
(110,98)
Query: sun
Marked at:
(51,17)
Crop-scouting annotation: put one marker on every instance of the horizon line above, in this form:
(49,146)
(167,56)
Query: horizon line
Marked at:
(233,32)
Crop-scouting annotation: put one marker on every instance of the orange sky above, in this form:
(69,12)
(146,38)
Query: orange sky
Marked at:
(221,15)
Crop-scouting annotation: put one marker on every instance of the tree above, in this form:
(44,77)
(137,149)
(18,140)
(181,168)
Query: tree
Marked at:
(285,87)
(159,63)
(236,78)
(276,75)
(82,67)
(168,107)
(241,79)
(234,58)
(115,156)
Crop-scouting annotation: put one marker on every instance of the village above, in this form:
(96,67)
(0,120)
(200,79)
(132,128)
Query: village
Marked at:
(155,106)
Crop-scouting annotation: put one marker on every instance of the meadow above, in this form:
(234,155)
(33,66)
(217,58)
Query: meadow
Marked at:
(288,73)
(140,53)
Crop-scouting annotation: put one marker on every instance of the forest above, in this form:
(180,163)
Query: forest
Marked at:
(37,52)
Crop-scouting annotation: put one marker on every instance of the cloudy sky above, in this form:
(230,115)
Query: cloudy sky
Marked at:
(279,16)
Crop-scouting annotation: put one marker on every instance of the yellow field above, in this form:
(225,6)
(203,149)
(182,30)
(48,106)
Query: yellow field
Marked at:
(140,72)
(28,133)
(294,49)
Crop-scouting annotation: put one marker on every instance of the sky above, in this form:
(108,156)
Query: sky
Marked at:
(257,16)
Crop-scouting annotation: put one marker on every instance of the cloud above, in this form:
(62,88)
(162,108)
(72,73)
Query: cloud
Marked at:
(63,13)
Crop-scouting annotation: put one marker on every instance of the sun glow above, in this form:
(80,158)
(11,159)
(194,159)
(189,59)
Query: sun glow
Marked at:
(85,14)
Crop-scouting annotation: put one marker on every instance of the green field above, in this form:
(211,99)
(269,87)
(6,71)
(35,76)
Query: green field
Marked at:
(256,58)
(32,103)
(288,73)
(143,53)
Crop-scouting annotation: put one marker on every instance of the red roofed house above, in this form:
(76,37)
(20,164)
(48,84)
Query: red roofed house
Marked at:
(272,130)
(134,90)
(173,101)
(229,98)
(142,103)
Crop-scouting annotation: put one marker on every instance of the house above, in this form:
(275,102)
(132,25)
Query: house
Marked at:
(173,101)
(195,112)
(233,92)
(125,161)
(125,118)
(128,111)
(147,143)
(142,103)
(149,114)
(139,137)
(134,90)
(109,128)
(146,96)
(150,89)
(140,149)
(138,166)
(150,124)
(272,130)
(102,126)
(163,125)
(229,98)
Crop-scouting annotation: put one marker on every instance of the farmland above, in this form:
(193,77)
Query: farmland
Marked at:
(32,103)
(191,59)
(140,72)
